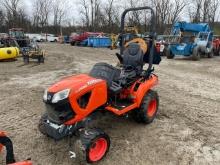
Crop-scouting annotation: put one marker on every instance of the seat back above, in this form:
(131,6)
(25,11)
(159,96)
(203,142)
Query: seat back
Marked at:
(133,56)
(106,72)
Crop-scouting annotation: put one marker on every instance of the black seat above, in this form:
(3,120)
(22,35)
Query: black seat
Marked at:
(106,72)
(133,58)
(118,78)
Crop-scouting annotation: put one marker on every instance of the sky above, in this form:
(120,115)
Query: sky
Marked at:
(75,8)
(73,12)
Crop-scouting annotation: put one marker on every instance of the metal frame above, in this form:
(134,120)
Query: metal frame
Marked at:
(152,28)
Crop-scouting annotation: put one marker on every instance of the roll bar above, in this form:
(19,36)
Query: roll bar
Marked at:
(152,33)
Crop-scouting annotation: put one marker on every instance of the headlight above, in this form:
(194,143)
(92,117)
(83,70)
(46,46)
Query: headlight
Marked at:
(60,95)
(45,95)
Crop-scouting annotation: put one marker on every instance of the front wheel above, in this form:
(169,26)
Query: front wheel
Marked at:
(196,54)
(149,107)
(41,125)
(96,143)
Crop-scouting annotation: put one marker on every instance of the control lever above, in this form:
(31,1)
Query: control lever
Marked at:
(148,73)
(120,58)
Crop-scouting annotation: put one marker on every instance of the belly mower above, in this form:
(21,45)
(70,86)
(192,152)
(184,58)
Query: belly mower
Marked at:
(7,143)
(72,102)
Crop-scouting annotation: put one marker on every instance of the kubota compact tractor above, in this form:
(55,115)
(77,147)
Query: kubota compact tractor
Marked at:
(73,101)
(10,160)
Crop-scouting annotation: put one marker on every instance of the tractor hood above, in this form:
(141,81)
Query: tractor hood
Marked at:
(74,83)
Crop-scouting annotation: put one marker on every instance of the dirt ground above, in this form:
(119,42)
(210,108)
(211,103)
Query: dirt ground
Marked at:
(186,130)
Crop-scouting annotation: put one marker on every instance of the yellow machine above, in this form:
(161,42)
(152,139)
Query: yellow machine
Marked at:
(114,39)
(131,33)
(139,41)
(131,29)
(33,52)
(9,53)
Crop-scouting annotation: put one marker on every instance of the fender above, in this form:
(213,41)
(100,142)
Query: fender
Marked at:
(137,92)
(142,88)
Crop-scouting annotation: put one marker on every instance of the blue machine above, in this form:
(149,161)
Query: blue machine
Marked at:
(98,42)
(191,39)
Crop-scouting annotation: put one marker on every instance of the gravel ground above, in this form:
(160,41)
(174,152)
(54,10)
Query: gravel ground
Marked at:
(186,130)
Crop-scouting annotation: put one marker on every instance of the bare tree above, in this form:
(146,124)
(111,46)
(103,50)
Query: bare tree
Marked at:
(11,6)
(59,11)
(95,13)
(42,10)
(213,10)
(176,10)
(12,9)
(111,14)
(109,11)
(167,12)
(91,13)
(2,17)
(85,13)
(203,10)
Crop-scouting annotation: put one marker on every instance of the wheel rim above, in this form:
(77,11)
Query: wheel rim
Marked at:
(152,108)
(98,149)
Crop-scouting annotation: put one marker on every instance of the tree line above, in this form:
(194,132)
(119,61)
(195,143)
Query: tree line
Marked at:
(64,16)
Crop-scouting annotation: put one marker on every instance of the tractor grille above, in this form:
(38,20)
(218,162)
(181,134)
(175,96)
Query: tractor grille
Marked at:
(60,113)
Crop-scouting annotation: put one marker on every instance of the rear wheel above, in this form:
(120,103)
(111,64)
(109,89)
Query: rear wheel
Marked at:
(149,107)
(73,43)
(96,143)
(168,53)
(196,54)
(217,53)
(40,59)
(26,59)
(211,54)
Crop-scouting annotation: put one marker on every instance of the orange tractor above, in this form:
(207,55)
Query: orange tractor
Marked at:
(10,160)
(72,102)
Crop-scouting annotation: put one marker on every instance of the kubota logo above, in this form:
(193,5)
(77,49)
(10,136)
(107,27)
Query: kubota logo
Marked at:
(89,83)
(94,81)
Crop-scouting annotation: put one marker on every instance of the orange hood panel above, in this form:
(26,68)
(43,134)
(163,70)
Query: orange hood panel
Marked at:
(74,83)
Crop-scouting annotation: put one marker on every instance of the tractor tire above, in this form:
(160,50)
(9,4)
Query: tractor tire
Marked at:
(217,53)
(26,59)
(40,59)
(211,54)
(196,54)
(73,43)
(96,144)
(41,126)
(148,109)
(168,53)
